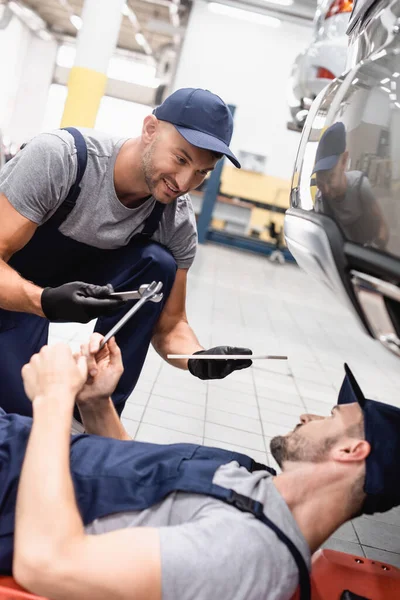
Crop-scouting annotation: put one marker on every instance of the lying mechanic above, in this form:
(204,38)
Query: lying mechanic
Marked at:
(97,517)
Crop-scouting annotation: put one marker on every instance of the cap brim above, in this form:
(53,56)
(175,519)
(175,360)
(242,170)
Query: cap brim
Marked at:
(207,142)
(350,391)
(327,163)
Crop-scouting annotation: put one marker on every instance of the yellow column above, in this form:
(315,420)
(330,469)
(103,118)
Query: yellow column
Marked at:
(96,42)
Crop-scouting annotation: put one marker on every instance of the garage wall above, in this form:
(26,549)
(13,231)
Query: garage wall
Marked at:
(248,65)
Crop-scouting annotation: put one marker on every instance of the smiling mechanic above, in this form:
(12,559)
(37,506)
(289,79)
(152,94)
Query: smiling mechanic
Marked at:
(82,213)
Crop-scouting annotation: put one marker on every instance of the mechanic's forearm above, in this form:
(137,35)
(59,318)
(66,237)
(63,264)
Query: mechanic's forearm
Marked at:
(101,418)
(18,294)
(47,517)
(181,339)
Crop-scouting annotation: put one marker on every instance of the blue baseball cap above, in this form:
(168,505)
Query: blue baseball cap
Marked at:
(382,431)
(202,118)
(331,145)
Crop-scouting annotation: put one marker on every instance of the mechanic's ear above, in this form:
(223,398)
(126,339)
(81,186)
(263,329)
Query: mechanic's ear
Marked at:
(149,129)
(351,450)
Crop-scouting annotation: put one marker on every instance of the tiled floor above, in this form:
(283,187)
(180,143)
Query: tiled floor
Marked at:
(241,299)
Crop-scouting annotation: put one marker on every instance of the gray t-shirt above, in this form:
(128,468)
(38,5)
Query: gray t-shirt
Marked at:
(39,177)
(210,550)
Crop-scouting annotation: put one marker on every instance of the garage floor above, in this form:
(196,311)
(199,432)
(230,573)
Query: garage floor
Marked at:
(241,299)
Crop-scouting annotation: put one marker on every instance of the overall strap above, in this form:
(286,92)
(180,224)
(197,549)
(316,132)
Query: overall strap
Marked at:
(69,203)
(153,220)
(245,504)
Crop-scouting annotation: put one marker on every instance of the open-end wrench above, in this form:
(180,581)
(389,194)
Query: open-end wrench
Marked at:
(135,294)
(151,293)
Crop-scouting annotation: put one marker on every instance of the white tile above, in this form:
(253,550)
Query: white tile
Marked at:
(177,407)
(234,436)
(133,411)
(265,394)
(236,421)
(161,418)
(323,393)
(280,407)
(233,386)
(257,455)
(273,429)
(143,385)
(138,397)
(130,426)
(387,558)
(177,393)
(237,408)
(160,435)
(216,392)
(287,421)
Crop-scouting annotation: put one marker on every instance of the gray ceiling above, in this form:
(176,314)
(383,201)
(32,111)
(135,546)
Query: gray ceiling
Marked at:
(153,17)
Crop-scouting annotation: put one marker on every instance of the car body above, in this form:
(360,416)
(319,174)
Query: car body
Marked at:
(323,60)
(366,100)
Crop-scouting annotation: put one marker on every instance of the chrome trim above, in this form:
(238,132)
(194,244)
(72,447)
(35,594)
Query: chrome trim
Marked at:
(371,293)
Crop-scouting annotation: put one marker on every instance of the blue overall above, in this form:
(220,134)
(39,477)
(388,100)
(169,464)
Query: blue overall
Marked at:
(51,259)
(112,476)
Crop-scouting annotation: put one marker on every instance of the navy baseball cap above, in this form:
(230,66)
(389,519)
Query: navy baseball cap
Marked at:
(382,431)
(331,145)
(202,118)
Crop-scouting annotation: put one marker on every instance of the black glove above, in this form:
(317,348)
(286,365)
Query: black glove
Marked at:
(218,369)
(78,302)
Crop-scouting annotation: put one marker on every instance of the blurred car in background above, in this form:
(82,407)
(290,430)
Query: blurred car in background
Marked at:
(343,225)
(322,61)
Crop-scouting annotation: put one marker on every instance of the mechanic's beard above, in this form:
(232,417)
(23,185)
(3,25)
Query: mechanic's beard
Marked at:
(149,171)
(297,448)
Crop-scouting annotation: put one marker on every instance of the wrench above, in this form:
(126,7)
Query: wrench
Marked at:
(150,293)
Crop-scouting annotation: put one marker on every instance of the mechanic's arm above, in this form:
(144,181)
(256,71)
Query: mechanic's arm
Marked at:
(173,334)
(16,293)
(75,301)
(105,368)
(53,556)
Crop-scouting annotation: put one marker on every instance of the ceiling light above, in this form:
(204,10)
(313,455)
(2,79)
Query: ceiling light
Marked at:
(76,21)
(397,104)
(385,80)
(280,2)
(396,74)
(385,89)
(393,96)
(125,10)
(243,15)
(139,37)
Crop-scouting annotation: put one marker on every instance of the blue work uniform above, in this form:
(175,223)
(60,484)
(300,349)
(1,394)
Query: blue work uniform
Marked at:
(113,476)
(51,259)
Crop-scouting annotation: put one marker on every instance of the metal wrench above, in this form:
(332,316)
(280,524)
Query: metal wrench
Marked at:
(150,293)
(134,295)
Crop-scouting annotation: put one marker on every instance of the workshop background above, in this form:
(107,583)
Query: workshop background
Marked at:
(250,53)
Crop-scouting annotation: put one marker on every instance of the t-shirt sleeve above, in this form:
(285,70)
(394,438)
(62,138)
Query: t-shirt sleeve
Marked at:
(217,558)
(39,177)
(183,239)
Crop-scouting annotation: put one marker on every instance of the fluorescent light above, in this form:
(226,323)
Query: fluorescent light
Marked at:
(243,15)
(385,80)
(379,55)
(385,89)
(141,40)
(280,2)
(396,74)
(397,104)
(356,80)
(76,21)
(393,96)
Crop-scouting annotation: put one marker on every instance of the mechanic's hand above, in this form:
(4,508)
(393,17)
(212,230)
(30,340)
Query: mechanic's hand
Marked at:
(218,369)
(55,373)
(78,302)
(105,368)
